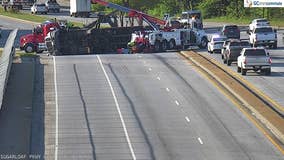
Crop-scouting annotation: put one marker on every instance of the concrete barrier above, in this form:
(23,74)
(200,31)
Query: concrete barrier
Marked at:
(6,63)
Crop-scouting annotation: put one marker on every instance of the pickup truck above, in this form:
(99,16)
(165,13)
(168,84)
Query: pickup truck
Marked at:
(232,51)
(52,6)
(258,22)
(263,36)
(254,59)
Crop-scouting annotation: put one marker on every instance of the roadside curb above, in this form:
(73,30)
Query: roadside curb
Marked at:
(276,132)
(17,19)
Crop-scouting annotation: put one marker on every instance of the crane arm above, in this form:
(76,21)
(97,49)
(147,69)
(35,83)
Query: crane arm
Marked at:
(132,12)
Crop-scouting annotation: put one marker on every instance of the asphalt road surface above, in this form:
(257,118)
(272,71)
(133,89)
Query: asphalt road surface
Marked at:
(149,106)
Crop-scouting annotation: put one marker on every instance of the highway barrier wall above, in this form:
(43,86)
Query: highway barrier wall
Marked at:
(6,63)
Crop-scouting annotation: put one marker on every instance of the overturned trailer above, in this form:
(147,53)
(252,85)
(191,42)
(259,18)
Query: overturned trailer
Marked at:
(91,39)
(83,41)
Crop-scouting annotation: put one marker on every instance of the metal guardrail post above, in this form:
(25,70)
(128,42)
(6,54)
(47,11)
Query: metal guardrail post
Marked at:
(6,63)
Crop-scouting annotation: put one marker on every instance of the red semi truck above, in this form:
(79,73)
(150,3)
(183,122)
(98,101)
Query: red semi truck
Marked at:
(34,42)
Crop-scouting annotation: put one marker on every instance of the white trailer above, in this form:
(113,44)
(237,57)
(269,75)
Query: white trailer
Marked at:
(80,8)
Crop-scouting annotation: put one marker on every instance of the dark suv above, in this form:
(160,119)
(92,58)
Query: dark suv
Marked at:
(231,31)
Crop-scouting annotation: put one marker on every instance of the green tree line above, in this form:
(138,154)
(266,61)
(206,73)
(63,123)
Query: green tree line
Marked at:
(209,8)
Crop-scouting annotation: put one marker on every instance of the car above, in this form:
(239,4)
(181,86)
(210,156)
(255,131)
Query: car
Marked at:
(254,59)
(39,8)
(231,31)
(263,36)
(52,6)
(215,43)
(258,22)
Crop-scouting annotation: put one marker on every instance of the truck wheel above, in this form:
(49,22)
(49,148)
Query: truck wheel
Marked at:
(203,43)
(238,69)
(172,44)
(157,46)
(268,71)
(229,62)
(224,60)
(29,48)
(275,45)
(164,45)
(244,72)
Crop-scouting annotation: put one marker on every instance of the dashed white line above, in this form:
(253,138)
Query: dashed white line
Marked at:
(56,110)
(168,90)
(187,119)
(118,110)
(200,140)
(158,78)
(150,69)
(177,103)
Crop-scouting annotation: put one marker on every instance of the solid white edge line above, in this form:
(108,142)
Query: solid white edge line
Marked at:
(200,140)
(56,110)
(168,89)
(118,110)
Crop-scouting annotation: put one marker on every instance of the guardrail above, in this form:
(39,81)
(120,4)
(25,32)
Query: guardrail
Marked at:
(6,63)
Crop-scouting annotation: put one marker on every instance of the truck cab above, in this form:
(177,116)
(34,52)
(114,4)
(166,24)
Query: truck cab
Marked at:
(193,18)
(34,42)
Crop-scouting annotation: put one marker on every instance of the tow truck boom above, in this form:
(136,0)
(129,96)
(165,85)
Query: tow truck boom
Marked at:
(152,21)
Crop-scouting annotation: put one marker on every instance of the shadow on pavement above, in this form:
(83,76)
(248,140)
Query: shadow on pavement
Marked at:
(16,113)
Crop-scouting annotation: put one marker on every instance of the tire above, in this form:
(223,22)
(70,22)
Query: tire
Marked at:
(157,46)
(164,46)
(275,45)
(268,71)
(172,44)
(224,60)
(238,69)
(222,56)
(29,48)
(243,71)
(229,62)
(203,43)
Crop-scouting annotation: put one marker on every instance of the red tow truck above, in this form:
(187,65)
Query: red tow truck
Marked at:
(34,42)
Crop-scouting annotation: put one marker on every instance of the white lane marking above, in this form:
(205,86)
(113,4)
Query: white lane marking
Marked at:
(118,110)
(150,69)
(187,119)
(140,56)
(56,110)
(168,89)
(200,140)
(158,78)
(177,103)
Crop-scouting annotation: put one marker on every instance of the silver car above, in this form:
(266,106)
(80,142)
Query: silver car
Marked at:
(39,9)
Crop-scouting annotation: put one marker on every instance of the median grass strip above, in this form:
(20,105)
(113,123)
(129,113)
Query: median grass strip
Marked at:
(30,17)
(244,21)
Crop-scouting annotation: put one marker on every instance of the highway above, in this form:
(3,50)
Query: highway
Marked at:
(150,106)
(142,106)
